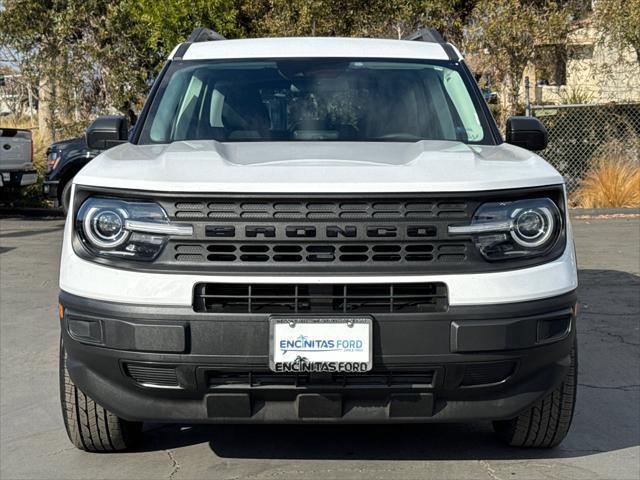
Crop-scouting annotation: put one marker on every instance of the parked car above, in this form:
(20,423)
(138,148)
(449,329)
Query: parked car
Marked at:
(317,230)
(16,159)
(64,159)
(489,95)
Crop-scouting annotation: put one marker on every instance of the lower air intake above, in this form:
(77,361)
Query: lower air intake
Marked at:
(153,376)
(323,298)
(419,379)
(487,373)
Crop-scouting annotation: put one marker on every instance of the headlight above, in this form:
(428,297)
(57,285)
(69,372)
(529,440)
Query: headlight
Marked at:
(53,159)
(104,227)
(118,228)
(532,227)
(523,228)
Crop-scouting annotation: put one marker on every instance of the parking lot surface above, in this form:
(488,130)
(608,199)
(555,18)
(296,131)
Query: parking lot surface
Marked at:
(604,441)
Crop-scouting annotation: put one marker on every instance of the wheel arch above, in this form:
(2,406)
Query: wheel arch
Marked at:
(69,170)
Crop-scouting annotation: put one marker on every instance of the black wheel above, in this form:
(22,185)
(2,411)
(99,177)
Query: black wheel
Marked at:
(546,423)
(89,426)
(65,196)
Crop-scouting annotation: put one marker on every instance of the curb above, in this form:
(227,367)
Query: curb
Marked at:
(594,212)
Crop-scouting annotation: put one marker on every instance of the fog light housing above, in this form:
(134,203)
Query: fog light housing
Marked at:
(550,330)
(85,330)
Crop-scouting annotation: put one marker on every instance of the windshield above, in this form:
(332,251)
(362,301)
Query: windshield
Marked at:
(314,99)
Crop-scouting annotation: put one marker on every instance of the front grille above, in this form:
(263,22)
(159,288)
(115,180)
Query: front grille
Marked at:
(322,209)
(320,298)
(217,379)
(330,234)
(152,376)
(401,233)
(292,253)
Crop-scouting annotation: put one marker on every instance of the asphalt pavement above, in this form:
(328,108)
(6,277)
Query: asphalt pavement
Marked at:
(604,441)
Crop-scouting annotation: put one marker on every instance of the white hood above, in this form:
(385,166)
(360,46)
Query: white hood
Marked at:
(320,167)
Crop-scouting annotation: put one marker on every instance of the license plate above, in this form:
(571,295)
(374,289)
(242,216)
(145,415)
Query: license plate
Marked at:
(325,344)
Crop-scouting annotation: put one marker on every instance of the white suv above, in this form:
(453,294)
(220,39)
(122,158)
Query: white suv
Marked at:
(317,230)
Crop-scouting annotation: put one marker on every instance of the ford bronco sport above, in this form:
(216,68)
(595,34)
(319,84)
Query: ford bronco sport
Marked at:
(317,230)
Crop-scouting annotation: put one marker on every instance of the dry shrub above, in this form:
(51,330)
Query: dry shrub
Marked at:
(613,181)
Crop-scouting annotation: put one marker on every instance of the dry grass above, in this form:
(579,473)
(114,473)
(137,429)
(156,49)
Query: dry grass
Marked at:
(613,181)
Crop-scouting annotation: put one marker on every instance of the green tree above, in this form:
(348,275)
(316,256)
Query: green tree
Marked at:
(619,20)
(31,29)
(83,57)
(165,23)
(502,36)
(122,61)
(366,18)
(86,57)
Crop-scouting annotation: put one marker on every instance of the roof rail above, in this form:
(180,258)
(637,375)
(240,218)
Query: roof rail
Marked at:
(202,34)
(426,35)
(198,35)
(432,35)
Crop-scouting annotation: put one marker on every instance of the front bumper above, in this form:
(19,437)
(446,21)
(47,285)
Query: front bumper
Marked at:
(17,179)
(171,364)
(50,188)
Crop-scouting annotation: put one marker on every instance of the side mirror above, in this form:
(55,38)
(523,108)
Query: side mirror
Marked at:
(106,132)
(527,132)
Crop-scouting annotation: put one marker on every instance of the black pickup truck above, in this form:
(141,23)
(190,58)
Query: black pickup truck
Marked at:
(64,160)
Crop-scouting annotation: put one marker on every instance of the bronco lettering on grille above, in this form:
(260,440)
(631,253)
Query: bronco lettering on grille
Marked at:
(331,231)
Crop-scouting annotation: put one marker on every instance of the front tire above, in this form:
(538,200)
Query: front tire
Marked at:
(65,196)
(89,426)
(545,424)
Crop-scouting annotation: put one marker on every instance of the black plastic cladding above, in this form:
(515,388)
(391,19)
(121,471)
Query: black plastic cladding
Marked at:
(442,253)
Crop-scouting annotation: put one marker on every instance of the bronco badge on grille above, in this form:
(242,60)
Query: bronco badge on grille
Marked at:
(331,231)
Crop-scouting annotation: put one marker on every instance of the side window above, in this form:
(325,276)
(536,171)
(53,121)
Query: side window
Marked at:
(188,111)
(164,118)
(459,95)
(440,121)
(217,103)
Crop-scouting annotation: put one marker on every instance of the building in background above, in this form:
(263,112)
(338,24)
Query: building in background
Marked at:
(588,69)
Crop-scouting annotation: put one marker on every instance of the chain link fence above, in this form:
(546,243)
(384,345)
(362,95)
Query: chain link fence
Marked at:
(580,136)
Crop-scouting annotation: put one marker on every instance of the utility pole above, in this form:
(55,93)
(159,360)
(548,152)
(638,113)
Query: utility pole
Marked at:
(527,98)
(30,105)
